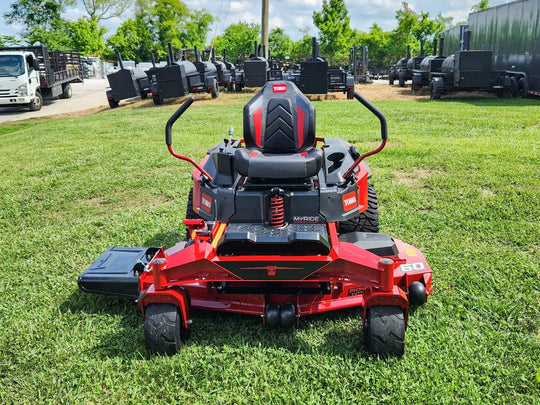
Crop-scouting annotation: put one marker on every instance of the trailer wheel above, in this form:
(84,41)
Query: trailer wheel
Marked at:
(391,82)
(401,81)
(433,94)
(157,100)
(367,221)
(238,88)
(113,103)
(384,331)
(514,85)
(523,88)
(66,91)
(36,103)
(163,330)
(214,92)
(350,94)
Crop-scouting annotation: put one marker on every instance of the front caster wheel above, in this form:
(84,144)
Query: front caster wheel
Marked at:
(163,330)
(385,330)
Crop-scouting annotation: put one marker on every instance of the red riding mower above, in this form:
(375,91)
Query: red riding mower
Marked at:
(280,224)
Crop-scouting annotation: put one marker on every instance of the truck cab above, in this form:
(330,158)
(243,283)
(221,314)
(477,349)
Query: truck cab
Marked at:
(20,80)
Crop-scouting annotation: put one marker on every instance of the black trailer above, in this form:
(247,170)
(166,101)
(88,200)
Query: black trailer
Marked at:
(512,32)
(256,69)
(470,71)
(358,64)
(314,72)
(430,64)
(126,83)
(399,71)
(225,71)
(181,77)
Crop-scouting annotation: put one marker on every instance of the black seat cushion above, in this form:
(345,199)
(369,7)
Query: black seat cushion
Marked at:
(251,162)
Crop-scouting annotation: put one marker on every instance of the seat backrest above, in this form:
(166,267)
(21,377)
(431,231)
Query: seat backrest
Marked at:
(279,119)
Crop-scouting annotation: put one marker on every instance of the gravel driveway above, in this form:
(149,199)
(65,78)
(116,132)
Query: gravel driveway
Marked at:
(86,96)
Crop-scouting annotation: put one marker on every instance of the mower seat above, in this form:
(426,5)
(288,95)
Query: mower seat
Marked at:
(279,134)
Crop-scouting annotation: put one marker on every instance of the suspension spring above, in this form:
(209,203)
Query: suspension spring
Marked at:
(277,212)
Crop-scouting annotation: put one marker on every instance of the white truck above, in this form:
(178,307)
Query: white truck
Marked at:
(30,74)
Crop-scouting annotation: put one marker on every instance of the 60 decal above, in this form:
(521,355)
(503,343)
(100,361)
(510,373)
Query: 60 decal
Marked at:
(412,267)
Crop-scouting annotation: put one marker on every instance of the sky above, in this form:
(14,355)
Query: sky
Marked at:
(293,15)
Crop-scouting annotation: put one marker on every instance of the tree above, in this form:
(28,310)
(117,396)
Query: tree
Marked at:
(335,33)
(134,40)
(99,10)
(280,44)
(380,46)
(238,40)
(86,37)
(483,5)
(42,20)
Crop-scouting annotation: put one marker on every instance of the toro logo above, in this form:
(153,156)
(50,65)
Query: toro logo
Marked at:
(206,203)
(279,88)
(349,201)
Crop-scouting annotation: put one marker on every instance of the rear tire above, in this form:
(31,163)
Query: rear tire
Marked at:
(163,330)
(366,221)
(384,333)
(67,92)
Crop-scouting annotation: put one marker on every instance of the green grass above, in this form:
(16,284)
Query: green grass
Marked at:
(459,179)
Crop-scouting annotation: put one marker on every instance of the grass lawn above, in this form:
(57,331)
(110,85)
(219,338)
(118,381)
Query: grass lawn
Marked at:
(459,179)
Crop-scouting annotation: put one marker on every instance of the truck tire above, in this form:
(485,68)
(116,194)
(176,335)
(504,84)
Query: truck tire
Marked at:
(36,103)
(366,221)
(523,88)
(67,92)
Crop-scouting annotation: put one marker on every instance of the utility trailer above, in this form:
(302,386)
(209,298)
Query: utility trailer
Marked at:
(430,64)
(470,71)
(399,71)
(256,69)
(30,74)
(358,64)
(181,77)
(512,32)
(314,72)
(126,83)
(225,71)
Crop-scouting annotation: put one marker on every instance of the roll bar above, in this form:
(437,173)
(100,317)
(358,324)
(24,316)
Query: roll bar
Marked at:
(384,133)
(168,136)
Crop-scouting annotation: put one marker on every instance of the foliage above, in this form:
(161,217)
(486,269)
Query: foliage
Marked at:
(280,44)
(238,40)
(380,47)
(99,10)
(414,28)
(9,40)
(42,20)
(133,39)
(86,37)
(482,5)
(465,194)
(335,33)
(301,49)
